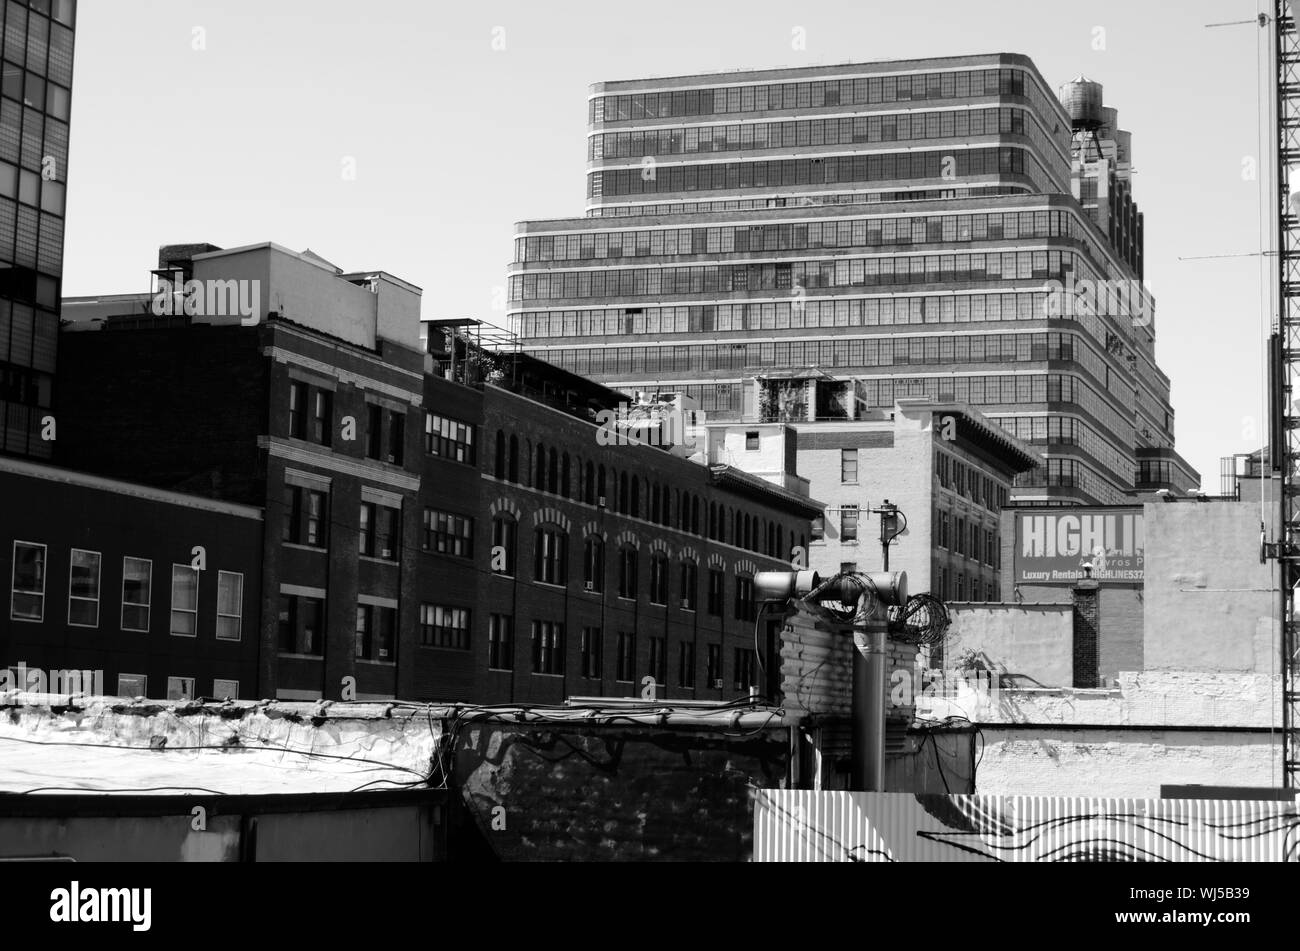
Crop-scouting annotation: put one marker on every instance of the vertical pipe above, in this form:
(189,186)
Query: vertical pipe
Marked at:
(868,773)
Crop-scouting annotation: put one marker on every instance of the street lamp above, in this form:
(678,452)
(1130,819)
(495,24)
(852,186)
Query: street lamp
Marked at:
(892,524)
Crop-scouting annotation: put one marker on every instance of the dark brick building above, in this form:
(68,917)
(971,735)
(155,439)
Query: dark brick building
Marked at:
(588,569)
(153,593)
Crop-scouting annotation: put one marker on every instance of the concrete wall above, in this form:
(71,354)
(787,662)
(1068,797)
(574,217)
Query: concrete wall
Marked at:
(1033,640)
(1209,601)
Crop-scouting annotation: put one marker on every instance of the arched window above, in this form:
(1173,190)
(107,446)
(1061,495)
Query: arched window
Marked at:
(553,473)
(622,493)
(636,497)
(627,572)
(601,495)
(566,477)
(654,504)
(513,474)
(690,585)
(713,520)
(659,579)
(551,555)
(667,507)
(499,461)
(505,541)
(539,469)
(695,515)
(589,485)
(593,564)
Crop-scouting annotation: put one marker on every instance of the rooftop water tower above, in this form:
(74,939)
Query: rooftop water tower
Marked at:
(1082,99)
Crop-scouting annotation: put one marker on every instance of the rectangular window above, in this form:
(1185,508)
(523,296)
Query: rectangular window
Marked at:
(686,665)
(659,580)
(302,626)
(659,660)
(230,605)
(376,633)
(625,668)
(137,594)
(322,417)
(380,531)
(501,642)
(83,588)
(592,659)
(717,581)
(744,658)
(306,517)
(550,556)
(131,686)
(298,410)
(713,672)
(448,534)
(449,439)
(225,690)
(627,574)
(396,438)
(27,602)
(690,583)
(180,689)
(849,466)
(374,432)
(849,523)
(185,601)
(548,648)
(751,442)
(444,628)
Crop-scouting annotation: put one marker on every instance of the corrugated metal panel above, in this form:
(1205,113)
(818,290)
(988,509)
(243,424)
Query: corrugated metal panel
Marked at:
(806,826)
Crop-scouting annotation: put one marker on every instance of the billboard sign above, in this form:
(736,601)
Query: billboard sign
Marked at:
(1052,548)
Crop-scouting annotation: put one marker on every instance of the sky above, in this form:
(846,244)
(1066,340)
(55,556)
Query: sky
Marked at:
(410,136)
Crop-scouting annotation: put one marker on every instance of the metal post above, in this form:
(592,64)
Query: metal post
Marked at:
(869,706)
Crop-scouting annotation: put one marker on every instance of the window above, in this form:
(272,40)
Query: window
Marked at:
(375,432)
(717,582)
(819,528)
(690,582)
(225,690)
(379,531)
(550,556)
(659,579)
(848,567)
(751,442)
(185,601)
(180,688)
(548,648)
(686,665)
(627,571)
(504,542)
(298,410)
(27,602)
(659,660)
(230,605)
(849,523)
(376,633)
(449,439)
(306,517)
(448,534)
(501,642)
(849,466)
(83,588)
(625,667)
(444,628)
(745,668)
(131,686)
(302,626)
(322,417)
(593,565)
(137,593)
(592,660)
(713,672)
(746,610)
(396,438)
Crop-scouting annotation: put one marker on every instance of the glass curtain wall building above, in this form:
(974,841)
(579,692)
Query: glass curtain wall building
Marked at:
(815,243)
(35,106)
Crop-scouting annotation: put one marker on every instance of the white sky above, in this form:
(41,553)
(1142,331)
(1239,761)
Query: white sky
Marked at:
(245,141)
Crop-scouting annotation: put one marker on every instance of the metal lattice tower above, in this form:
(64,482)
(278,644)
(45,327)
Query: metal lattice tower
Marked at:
(1285,429)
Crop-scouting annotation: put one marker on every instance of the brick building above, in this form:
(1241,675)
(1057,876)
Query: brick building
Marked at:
(151,592)
(307,407)
(595,565)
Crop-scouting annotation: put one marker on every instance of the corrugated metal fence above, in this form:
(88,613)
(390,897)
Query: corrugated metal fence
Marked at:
(806,826)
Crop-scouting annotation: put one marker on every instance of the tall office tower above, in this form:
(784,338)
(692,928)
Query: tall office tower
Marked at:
(35,104)
(815,243)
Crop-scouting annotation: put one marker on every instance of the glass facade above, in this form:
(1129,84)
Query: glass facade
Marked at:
(907,228)
(35,107)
